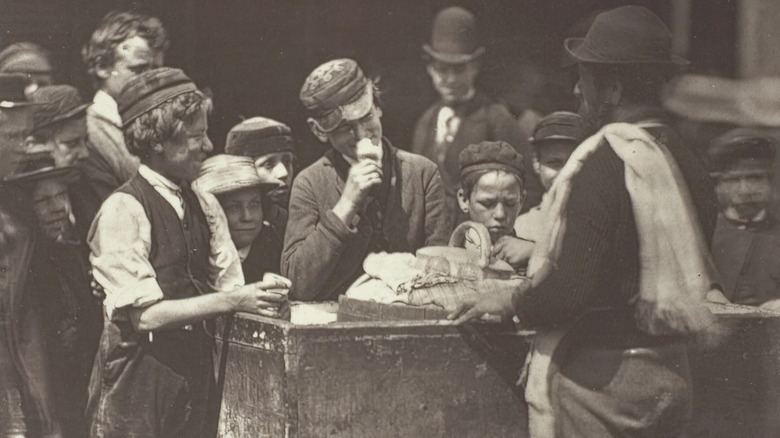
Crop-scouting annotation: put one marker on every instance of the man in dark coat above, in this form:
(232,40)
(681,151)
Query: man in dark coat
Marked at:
(746,245)
(362,196)
(463,115)
(609,359)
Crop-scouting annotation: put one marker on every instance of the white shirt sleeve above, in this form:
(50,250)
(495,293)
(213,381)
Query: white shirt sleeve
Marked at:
(120,240)
(225,271)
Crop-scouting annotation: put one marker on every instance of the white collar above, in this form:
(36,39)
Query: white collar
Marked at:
(157,180)
(105,105)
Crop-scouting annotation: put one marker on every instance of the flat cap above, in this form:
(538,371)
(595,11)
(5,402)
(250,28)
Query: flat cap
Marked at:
(560,125)
(37,164)
(491,155)
(259,136)
(151,89)
(741,144)
(337,90)
(56,103)
(225,173)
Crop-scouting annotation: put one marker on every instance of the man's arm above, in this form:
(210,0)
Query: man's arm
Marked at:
(438,223)
(313,241)
(109,155)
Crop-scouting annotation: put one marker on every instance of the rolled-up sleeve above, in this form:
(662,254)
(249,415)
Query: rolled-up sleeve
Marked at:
(120,242)
(225,272)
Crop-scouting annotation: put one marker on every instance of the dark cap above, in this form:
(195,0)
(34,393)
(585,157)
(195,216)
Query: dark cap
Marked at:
(491,155)
(454,37)
(37,163)
(12,91)
(337,90)
(56,103)
(625,35)
(259,136)
(151,89)
(560,125)
(739,145)
(24,57)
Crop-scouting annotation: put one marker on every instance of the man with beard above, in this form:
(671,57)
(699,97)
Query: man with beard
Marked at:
(463,115)
(746,246)
(124,45)
(270,145)
(609,358)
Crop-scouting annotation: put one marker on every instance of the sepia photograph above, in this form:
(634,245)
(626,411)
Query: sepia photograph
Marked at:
(389,218)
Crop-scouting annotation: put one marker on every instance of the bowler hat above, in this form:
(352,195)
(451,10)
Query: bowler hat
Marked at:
(454,37)
(337,90)
(151,89)
(259,136)
(625,35)
(560,125)
(56,103)
(12,90)
(738,145)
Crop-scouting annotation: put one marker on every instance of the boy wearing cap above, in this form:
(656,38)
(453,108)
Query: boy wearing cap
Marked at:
(242,195)
(270,145)
(611,308)
(463,115)
(25,396)
(492,192)
(59,125)
(159,250)
(554,139)
(362,196)
(746,244)
(124,45)
(58,285)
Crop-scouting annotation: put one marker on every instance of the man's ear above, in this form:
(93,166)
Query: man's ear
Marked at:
(463,202)
(103,72)
(315,129)
(158,148)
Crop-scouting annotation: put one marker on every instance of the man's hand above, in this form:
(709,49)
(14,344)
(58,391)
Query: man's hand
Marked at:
(512,250)
(363,176)
(266,298)
(495,300)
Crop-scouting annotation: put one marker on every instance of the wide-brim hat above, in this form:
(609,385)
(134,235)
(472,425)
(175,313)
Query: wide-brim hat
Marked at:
(626,35)
(225,173)
(37,164)
(454,37)
(56,103)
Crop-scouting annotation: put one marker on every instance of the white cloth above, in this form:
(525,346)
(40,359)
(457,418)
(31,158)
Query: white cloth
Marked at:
(676,269)
(105,105)
(120,242)
(447,125)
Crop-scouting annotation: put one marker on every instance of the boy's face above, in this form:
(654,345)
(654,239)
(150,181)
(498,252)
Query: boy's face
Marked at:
(70,143)
(495,201)
(550,159)
(51,205)
(745,189)
(183,155)
(244,211)
(132,57)
(346,136)
(276,168)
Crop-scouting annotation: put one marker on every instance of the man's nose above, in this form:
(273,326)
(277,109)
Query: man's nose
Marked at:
(500,212)
(207,146)
(246,214)
(280,171)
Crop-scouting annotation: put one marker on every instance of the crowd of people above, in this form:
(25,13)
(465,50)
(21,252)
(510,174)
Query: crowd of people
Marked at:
(123,235)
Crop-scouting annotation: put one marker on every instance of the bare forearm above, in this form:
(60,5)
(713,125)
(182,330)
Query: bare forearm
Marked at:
(168,314)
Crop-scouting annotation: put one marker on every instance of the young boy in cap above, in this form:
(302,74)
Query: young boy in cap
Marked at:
(362,196)
(463,115)
(124,45)
(59,125)
(554,139)
(242,195)
(58,286)
(492,180)
(746,244)
(159,250)
(270,145)
(611,308)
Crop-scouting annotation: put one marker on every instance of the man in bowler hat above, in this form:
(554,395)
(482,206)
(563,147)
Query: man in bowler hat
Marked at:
(621,369)
(362,196)
(463,115)
(746,245)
